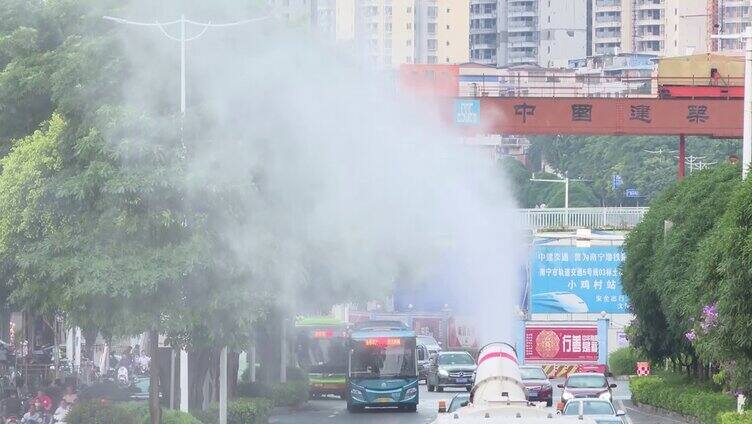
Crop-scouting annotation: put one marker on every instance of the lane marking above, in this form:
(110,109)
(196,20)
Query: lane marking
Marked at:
(623,408)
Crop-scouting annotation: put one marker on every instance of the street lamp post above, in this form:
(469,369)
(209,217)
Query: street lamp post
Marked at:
(747,141)
(183,39)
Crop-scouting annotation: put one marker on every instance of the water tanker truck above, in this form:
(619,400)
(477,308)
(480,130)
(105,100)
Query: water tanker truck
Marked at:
(498,395)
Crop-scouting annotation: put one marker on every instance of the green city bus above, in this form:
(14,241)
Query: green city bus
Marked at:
(321,349)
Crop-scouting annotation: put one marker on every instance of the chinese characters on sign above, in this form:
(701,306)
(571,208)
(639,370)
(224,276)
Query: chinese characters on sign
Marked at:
(524,110)
(567,279)
(467,112)
(640,113)
(582,113)
(697,114)
(561,343)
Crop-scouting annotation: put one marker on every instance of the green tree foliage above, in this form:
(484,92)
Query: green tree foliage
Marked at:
(662,259)
(530,194)
(648,164)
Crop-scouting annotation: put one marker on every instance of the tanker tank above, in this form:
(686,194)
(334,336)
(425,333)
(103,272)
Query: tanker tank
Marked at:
(499,396)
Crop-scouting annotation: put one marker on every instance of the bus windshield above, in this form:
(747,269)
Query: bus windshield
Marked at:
(383,358)
(322,351)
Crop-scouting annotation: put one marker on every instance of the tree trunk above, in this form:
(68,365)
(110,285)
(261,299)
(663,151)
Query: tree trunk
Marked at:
(90,337)
(155,410)
(233,366)
(200,360)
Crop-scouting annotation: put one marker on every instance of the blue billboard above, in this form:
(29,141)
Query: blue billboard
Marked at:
(567,279)
(467,112)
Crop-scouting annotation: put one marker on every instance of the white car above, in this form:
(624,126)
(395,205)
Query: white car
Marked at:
(599,409)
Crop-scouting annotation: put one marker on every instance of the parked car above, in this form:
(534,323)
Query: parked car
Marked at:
(426,346)
(451,369)
(539,387)
(601,410)
(586,385)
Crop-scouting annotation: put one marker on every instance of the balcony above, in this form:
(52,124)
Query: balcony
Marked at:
(649,6)
(522,41)
(482,46)
(521,12)
(483,15)
(522,26)
(483,30)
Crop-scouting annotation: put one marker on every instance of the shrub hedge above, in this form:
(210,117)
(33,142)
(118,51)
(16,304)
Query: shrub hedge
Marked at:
(623,361)
(292,393)
(98,412)
(239,411)
(682,396)
(734,418)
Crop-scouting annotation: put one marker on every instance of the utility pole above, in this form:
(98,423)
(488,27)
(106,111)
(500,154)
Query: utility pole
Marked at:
(747,141)
(183,39)
(566,191)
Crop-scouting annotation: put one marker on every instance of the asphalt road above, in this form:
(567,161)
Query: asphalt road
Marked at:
(332,410)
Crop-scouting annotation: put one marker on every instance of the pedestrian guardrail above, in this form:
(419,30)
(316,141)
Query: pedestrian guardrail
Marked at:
(620,218)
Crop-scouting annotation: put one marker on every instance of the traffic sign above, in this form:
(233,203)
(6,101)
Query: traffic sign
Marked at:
(616,181)
(631,192)
(467,112)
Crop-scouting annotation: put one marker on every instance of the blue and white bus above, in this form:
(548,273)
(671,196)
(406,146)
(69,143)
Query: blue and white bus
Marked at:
(382,366)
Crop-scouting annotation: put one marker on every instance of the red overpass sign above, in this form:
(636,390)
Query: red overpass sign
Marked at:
(719,118)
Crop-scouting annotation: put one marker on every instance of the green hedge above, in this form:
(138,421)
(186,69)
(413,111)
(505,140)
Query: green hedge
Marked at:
(682,396)
(239,411)
(734,418)
(281,394)
(97,412)
(623,361)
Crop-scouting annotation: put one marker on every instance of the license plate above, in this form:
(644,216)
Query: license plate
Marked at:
(533,393)
(384,400)
(462,380)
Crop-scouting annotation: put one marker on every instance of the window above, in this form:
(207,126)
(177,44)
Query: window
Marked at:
(409,59)
(448,10)
(409,25)
(409,42)
(431,60)
(549,19)
(387,43)
(387,10)
(431,28)
(447,26)
(447,60)
(432,45)
(388,27)
(409,10)
(432,11)
(549,49)
(447,43)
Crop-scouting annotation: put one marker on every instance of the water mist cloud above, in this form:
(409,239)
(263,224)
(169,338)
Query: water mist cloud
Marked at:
(345,188)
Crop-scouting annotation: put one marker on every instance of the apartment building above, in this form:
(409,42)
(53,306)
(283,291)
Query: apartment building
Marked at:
(611,23)
(484,32)
(545,32)
(734,18)
(442,31)
(333,19)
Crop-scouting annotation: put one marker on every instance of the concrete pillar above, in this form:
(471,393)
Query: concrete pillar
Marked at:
(603,326)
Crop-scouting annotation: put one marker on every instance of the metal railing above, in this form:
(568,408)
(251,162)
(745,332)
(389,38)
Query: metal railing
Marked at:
(620,218)
(589,85)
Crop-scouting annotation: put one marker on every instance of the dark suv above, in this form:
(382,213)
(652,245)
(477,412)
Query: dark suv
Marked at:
(451,369)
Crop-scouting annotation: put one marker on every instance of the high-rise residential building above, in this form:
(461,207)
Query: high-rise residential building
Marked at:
(393,32)
(544,32)
(334,19)
(484,33)
(660,27)
(611,26)
(734,16)
(686,27)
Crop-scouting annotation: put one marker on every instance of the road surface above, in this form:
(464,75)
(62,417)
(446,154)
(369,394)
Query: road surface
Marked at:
(332,410)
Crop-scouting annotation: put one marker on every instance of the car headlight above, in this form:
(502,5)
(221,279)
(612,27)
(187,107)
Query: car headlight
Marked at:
(605,396)
(357,395)
(411,392)
(444,373)
(567,396)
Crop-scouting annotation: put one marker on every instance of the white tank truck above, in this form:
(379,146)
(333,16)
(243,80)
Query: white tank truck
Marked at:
(498,395)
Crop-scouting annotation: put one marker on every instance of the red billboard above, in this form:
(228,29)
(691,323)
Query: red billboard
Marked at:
(561,344)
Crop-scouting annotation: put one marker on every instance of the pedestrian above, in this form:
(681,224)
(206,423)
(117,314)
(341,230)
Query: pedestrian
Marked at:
(61,412)
(70,397)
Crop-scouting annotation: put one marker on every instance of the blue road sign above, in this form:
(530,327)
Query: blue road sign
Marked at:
(632,192)
(467,112)
(616,181)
